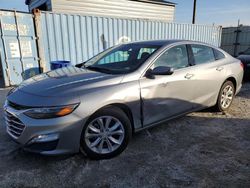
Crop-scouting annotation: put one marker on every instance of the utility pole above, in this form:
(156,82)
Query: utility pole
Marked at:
(236,44)
(194,12)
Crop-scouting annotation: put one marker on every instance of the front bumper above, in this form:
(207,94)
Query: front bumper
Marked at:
(45,136)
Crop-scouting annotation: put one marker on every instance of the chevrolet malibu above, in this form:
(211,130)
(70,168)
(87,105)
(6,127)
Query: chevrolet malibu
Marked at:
(95,107)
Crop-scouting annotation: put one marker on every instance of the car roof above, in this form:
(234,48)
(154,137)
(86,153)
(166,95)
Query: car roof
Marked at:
(158,42)
(171,41)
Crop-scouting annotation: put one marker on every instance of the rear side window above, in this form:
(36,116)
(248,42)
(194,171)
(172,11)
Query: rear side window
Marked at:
(218,55)
(202,54)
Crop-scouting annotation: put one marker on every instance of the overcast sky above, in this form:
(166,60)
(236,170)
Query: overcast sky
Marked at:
(219,12)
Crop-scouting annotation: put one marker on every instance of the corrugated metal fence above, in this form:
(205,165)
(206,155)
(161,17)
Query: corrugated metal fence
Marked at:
(77,37)
(235,39)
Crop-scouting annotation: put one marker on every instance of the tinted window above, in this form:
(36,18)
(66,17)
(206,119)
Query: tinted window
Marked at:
(218,55)
(175,57)
(202,54)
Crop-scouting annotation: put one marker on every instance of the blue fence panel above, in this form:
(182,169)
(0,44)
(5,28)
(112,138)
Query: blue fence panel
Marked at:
(77,38)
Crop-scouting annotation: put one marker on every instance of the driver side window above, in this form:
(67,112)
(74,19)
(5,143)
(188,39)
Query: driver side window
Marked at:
(176,58)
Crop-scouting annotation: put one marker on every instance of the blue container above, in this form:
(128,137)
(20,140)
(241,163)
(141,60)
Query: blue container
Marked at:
(59,64)
(18,48)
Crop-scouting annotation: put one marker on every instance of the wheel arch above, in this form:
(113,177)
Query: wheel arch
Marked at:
(233,80)
(122,107)
(126,110)
(230,78)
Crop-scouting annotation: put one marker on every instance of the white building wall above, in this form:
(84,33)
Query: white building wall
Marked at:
(111,8)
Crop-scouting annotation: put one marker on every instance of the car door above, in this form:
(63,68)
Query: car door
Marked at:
(165,96)
(209,74)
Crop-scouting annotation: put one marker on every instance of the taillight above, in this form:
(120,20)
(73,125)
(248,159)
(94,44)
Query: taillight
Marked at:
(242,65)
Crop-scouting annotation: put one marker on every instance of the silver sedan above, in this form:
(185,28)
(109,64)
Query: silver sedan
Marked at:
(96,106)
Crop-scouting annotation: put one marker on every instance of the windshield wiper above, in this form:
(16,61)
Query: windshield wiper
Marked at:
(99,69)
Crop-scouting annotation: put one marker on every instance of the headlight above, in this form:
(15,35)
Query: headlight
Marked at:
(50,112)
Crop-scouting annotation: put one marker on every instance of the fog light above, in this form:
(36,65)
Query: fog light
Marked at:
(44,138)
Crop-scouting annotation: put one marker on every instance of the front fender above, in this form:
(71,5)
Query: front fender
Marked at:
(123,93)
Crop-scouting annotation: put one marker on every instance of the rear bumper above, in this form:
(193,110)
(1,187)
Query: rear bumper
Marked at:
(48,137)
(238,89)
(247,72)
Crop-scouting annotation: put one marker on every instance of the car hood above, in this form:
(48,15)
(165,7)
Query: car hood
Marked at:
(68,82)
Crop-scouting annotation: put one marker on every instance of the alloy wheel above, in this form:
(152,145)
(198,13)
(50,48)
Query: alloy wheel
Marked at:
(227,96)
(104,134)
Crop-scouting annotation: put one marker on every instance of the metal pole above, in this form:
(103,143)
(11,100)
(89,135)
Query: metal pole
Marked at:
(236,44)
(38,33)
(194,12)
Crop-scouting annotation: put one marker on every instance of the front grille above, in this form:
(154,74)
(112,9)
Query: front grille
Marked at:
(14,126)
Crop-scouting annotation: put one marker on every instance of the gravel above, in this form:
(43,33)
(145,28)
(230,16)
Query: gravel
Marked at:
(202,149)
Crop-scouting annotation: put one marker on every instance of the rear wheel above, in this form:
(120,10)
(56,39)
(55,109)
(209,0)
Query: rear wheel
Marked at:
(106,134)
(225,97)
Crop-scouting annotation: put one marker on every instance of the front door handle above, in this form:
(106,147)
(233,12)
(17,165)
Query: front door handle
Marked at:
(188,76)
(219,68)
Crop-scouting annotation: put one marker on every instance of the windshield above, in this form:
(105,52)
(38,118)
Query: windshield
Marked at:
(121,59)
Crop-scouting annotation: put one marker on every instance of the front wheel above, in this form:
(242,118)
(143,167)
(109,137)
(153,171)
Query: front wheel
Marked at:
(225,97)
(106,134)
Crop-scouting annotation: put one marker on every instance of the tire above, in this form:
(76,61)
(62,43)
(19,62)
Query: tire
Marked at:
(220,107)
(96,135)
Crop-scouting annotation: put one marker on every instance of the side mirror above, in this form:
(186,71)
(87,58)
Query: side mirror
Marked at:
(161,70)
(79,65)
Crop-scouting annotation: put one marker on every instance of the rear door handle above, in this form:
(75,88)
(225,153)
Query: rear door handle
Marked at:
(219,68)
(188,76)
